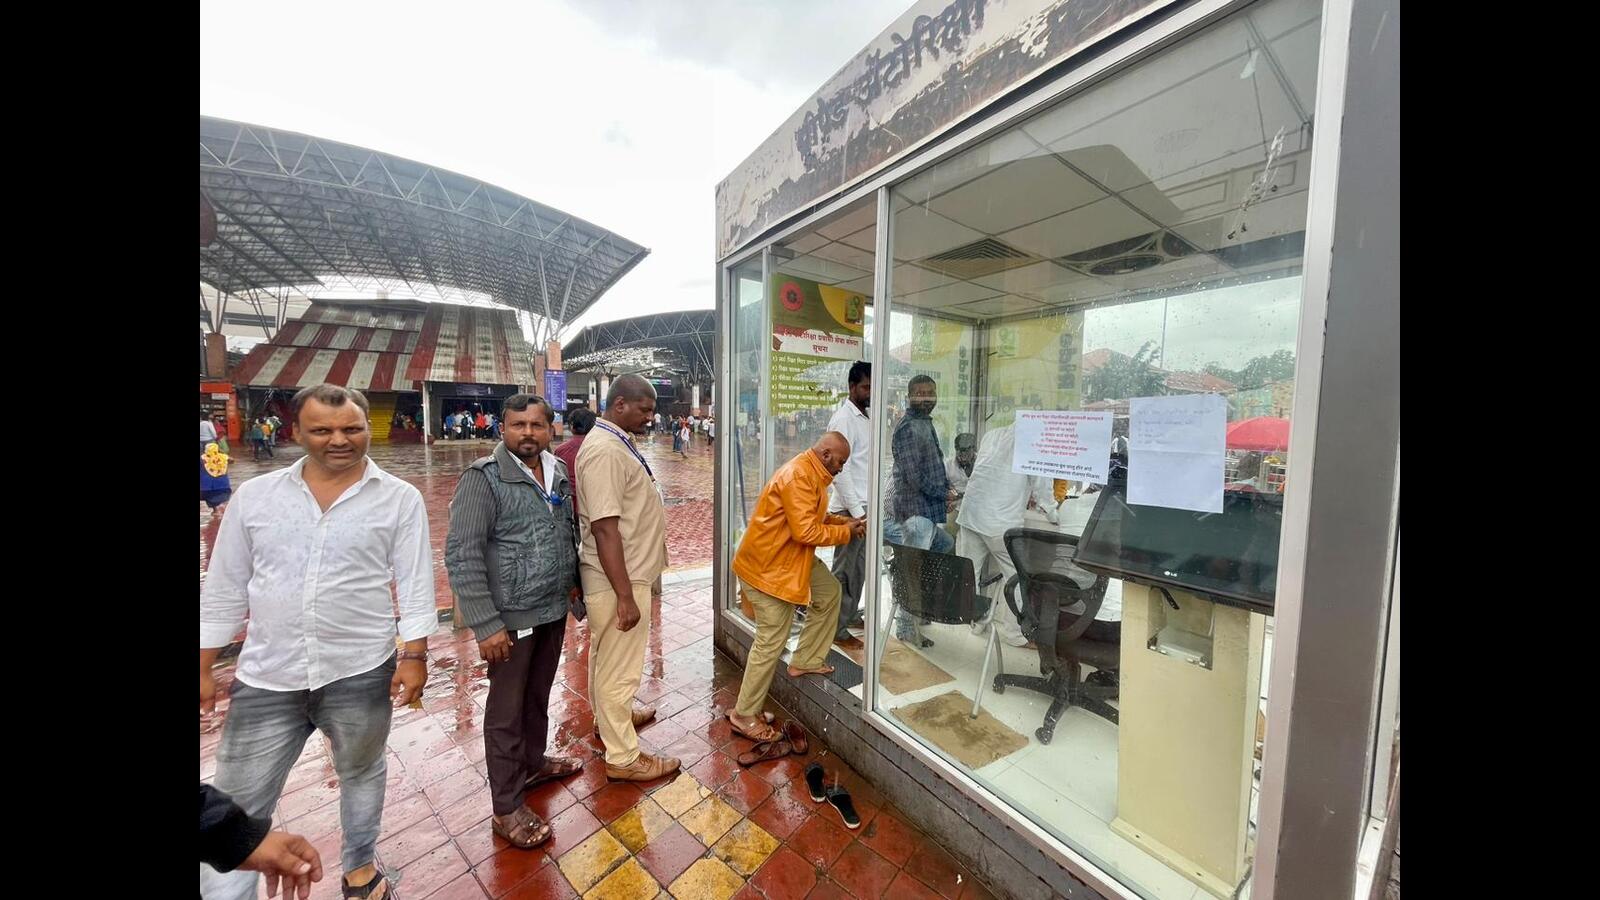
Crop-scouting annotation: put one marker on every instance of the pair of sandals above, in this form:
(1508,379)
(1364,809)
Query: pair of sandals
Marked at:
(524,829)
(771,743)
(835,795)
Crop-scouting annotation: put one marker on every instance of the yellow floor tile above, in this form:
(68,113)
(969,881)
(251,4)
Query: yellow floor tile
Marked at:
(681,795)
(587,863)
(707,879)
(640,825)
(629,882)
(709,820)
(745,847)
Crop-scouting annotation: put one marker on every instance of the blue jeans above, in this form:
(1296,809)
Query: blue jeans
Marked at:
(262,739)
(919,532)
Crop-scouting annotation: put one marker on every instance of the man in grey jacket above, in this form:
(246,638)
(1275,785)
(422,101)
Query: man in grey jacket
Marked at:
(512,560)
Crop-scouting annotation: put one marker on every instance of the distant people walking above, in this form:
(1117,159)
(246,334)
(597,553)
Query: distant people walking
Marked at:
(258,439)
(214,487)
(677,436)
(683,438)
(208,431)
(273,425)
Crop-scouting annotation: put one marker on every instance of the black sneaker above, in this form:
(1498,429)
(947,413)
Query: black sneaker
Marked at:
(839,798)
(814,781)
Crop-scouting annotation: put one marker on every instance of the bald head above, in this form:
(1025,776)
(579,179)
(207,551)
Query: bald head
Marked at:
(631,403)
(833,449)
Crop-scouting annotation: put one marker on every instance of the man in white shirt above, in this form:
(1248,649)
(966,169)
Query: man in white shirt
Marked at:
(997,500)
(848,495)
(208,431)
(309,553)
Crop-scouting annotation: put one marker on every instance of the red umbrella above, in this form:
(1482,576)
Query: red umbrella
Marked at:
(1260,433)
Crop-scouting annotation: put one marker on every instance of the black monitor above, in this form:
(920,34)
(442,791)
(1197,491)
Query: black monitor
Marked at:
(1229,557)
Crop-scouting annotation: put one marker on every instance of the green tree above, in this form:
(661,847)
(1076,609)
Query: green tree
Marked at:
(1260,371)
(1124,377)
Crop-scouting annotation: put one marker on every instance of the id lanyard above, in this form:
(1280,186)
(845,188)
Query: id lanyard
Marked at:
(602,424)
(551,500)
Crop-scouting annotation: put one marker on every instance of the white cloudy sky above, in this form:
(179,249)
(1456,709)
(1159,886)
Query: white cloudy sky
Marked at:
(622,112)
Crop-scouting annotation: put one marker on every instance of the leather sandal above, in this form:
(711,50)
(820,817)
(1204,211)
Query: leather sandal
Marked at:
(764,751)
(554,767)
(368,890)
(767,734)
(525,829)
(796,737)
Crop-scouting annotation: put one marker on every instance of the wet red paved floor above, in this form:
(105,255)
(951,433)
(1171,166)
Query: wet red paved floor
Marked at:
(715,831)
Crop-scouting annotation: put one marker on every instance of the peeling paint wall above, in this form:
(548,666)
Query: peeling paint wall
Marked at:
(937,64)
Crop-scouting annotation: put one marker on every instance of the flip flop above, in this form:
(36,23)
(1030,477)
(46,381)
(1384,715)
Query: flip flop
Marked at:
(839,799)
(796,736)
(815,779)
(764,751)
(350,892)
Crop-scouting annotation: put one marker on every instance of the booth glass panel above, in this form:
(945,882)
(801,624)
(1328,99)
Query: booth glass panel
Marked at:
(1089,390)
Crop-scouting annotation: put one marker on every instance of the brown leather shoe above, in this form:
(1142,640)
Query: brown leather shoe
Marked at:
(640,716)
(645,768)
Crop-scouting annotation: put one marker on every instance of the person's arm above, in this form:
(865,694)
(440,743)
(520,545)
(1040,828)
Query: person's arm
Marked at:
(466,554)
(230,839)
(227,835)
(224,601)
(801,502)
(412,560)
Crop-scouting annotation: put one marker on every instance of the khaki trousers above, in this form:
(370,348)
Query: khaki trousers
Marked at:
(772,632)
(616,663)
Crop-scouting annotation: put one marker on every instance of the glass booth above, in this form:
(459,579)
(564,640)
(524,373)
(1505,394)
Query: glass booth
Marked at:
(1083,335)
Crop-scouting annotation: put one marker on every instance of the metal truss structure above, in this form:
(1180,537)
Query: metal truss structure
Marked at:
(679,340)
(296,213)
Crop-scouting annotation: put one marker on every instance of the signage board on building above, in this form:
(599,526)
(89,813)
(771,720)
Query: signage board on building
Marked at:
(555,387)
(816,329)
(935,66)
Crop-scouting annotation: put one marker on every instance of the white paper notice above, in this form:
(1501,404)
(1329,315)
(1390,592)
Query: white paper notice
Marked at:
(1177,447)
(1063,444)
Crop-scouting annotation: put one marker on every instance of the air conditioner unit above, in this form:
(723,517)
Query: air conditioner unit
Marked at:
(1130,255)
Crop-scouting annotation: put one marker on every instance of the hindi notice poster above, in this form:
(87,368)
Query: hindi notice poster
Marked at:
(817,331)
(1068,444)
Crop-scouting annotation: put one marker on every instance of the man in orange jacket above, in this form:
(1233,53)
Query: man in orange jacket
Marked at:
(779,571)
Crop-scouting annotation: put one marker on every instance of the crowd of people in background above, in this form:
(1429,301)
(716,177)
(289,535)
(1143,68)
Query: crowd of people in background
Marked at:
(469,424)
(683,429)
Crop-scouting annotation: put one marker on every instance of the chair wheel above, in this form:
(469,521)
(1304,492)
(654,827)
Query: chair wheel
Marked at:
(999,686)
(1044,734)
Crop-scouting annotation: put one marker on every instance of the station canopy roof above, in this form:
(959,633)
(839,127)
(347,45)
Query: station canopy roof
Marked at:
(294,211)
(681,341)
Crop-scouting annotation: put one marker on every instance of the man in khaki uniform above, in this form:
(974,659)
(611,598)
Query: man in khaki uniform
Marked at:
(624,533)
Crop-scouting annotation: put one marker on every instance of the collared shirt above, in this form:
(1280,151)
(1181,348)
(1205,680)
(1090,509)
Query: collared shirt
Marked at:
(920,487)
(617,483)
(316,584)
(850,485)
(548,460)
(997,497)
(208,431)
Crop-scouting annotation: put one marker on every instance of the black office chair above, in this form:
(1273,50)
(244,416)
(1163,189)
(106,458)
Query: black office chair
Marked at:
(934,587)
(1051,584)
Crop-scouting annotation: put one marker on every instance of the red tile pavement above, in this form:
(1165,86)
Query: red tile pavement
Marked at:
(436,831)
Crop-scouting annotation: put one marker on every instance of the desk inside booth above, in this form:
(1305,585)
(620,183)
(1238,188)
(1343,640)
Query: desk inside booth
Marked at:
(1196,590)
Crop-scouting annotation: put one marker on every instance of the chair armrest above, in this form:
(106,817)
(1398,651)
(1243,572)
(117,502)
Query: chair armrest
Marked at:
(1011,596)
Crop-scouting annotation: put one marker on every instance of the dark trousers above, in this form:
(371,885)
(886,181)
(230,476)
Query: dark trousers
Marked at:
(850,567)
(516,719)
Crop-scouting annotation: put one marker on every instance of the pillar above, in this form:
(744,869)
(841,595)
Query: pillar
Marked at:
(216,356)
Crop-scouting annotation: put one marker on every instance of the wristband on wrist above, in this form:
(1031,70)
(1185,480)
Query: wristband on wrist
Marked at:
(418,655)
